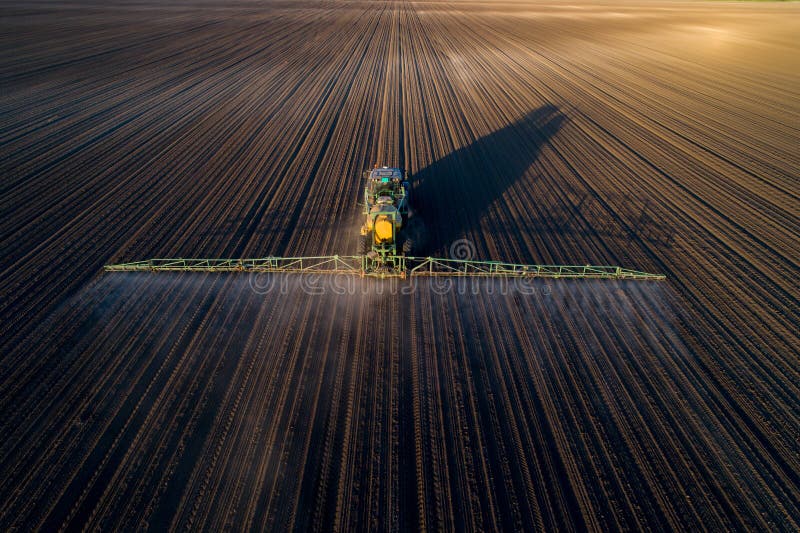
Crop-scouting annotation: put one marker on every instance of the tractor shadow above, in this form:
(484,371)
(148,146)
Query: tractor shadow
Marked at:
(452,194)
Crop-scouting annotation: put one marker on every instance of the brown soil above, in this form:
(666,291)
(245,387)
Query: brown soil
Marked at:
(661,136)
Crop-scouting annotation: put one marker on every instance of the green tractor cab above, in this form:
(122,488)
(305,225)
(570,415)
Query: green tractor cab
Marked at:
(386,181)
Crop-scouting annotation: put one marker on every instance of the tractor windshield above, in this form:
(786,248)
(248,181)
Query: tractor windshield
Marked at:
(379,187)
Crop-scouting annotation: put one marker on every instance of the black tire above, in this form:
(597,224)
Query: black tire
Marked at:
(415,236)
(365,244)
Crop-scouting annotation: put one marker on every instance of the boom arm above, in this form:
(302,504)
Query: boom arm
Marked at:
(359,265)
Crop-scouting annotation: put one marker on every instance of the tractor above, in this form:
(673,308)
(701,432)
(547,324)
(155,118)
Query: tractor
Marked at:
(386,206)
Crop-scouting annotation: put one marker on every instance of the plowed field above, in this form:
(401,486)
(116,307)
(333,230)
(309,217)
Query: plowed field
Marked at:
(661,136)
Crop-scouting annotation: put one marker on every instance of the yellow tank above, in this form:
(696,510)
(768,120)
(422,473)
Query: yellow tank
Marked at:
(383,229)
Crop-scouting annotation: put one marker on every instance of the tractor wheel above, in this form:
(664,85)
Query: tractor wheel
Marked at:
(408,246)
(365,244)
(415,237)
